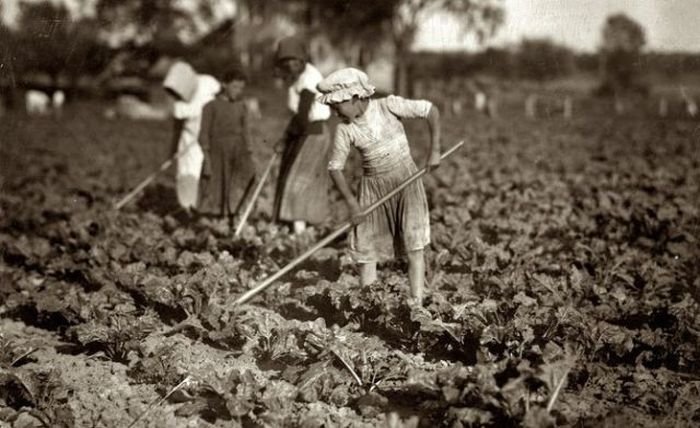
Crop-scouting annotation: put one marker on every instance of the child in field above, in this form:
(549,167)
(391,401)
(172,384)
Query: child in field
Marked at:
(228,171)
(374,128)
(303,183)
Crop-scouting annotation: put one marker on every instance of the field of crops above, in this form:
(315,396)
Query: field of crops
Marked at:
(564,288)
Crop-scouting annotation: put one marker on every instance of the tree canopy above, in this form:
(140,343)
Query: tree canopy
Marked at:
(542,59)
(366,23)
(622,33)
(620,52)
(362,28)
(48,40)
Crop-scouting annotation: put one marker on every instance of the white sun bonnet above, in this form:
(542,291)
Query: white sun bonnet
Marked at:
(343,85)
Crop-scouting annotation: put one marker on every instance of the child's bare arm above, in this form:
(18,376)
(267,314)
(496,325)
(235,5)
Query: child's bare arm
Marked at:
(408,109)
(435,135)
(342,185)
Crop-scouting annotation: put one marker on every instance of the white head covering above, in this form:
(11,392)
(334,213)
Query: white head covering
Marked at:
(181,79)
(343,85)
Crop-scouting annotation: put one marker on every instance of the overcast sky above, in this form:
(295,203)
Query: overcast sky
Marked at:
(671,25)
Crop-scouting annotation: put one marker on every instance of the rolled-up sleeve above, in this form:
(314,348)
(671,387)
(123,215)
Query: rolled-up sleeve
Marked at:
(408,109)
(340,150)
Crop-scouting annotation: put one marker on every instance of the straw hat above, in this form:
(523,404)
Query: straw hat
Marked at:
(343,85)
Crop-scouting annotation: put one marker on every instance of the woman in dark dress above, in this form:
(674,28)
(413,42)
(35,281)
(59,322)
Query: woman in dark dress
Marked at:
(303,185)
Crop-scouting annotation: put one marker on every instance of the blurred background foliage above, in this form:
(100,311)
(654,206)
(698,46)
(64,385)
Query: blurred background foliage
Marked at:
(123,45)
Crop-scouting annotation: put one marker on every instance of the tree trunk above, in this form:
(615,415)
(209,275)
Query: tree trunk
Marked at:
(401,74)
(363,58)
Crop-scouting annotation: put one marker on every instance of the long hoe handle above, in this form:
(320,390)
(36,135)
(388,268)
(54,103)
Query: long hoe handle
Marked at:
(165,165)
(339,231)
(255,195)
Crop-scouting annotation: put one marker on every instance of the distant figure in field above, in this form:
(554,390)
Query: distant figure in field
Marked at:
(36,102)
(485,96)
(568,107)
(228,171)
(690,105)
(303,184)
(190,91)
(57,100)
(531,106)
(374,128)
(480,101)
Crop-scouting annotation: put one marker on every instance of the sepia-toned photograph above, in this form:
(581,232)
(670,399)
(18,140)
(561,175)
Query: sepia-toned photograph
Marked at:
(349,213)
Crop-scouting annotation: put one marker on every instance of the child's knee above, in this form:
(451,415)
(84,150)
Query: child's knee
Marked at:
(415,255)
(368,268)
